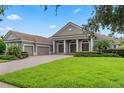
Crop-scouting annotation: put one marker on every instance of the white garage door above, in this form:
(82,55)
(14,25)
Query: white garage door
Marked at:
(29,49)
(42,50)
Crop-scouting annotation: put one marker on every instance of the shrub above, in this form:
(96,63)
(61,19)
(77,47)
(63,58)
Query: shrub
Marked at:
(8,57)
(2,46)
(14,50)
(95,54)
(120,52)
(24,54)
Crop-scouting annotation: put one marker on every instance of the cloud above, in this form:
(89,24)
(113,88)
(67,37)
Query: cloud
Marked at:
(52,26)
(77,10)
(9,28)
(14,17)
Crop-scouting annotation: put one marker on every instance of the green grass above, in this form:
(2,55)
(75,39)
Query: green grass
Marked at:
(89,72)
(3,61)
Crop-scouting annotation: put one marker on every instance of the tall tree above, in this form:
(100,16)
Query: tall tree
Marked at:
(107,16)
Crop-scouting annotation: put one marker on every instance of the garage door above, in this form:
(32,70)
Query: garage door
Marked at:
(29,49)
(42,50)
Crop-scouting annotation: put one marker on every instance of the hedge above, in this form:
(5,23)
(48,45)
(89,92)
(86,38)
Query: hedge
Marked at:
(120,52)
(95,54)
(8,57)
(24,55)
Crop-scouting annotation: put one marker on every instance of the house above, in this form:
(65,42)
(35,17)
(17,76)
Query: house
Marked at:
(69,39)
(72,38)
(34,45)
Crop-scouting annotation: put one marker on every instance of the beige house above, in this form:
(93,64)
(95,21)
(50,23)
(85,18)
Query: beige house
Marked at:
(69,39)
(72,38)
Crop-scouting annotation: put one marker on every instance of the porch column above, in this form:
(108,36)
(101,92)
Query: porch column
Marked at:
(77,45)
(65,47)
(91,44)
(53,47)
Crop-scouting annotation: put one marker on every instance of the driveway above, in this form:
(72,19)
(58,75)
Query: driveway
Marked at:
(28,62)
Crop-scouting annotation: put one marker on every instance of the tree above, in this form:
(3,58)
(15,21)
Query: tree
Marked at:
(103,45)
(107,16)
(2,46)
(2,10)
(121,39)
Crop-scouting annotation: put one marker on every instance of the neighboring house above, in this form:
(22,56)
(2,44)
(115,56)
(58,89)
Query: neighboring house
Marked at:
(69,39)
(34,45)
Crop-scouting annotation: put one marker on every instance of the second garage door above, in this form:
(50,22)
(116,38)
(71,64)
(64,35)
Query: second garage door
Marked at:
(42,50)
(29,49)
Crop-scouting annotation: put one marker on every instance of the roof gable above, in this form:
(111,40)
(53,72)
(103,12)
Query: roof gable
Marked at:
(11,36)
(70,29)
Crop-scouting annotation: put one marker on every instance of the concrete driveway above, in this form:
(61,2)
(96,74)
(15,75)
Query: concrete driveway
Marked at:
(28,62)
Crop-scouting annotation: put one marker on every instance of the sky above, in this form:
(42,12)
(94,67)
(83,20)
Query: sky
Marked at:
(34,20)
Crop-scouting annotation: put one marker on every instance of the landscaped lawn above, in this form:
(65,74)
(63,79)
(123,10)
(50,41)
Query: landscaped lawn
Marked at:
(71,72)
(1,61)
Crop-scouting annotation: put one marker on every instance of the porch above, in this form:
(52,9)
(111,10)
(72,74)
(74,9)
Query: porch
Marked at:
(71,46)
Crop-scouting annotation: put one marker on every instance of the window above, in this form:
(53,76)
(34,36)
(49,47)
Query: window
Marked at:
(114,46)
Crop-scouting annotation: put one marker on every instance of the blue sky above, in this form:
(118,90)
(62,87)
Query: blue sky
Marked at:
(33,20)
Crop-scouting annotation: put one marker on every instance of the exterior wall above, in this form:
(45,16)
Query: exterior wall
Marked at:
(14,43)
(23,44)
(35,46)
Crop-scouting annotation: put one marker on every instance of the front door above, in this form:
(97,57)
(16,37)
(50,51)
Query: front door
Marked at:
(73,48)
(85,47)
(61,47)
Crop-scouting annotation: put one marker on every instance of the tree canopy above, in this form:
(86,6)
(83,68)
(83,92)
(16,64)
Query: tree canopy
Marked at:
(2,10)
(107,16)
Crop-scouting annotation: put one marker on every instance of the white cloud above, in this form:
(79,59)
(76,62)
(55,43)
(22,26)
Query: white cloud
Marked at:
(77,10)
(52,26)
(14,17)
(9,28)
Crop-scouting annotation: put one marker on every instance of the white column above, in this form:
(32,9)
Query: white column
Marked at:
(69,48)
(57,47)
(53,47)
(64,46)
(91,44)
(77,45)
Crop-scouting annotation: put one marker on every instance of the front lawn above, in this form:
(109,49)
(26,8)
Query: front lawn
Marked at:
(89,72)
(2,61)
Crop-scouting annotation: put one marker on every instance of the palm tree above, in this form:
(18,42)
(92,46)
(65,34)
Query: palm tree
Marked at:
(103,45)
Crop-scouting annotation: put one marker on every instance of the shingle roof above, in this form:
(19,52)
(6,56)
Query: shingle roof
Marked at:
(103,37)
(33,38)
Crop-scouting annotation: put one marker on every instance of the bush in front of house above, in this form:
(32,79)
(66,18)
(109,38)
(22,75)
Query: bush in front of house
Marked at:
(95,54)
(8,57)
(14,50)
(2,46)
(120,52)
(24,54)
